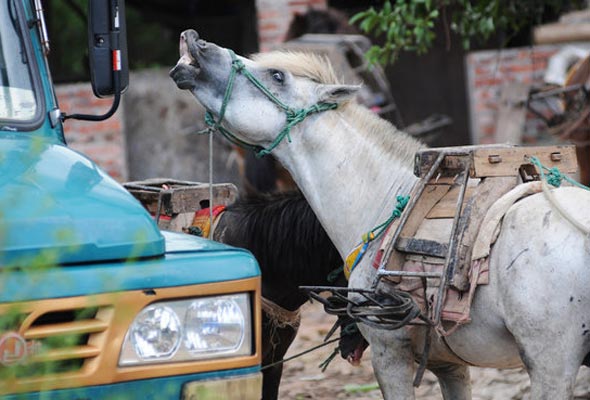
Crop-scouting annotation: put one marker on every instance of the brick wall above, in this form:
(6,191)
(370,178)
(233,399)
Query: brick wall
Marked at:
(274,17)
(487,71)
(104,141)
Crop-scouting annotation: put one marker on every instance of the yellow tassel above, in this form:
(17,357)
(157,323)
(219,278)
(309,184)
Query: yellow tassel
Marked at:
(350,258)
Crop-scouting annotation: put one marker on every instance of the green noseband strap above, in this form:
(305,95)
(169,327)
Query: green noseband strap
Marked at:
(293,116)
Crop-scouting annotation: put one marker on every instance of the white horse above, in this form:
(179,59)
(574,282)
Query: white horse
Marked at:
(535,311)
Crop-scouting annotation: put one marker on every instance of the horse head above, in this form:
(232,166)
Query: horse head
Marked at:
(256,100)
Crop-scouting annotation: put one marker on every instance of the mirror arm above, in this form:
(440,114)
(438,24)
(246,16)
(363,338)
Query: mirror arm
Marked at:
(114,106)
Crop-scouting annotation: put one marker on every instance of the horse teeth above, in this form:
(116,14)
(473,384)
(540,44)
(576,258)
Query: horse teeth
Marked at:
(185,59)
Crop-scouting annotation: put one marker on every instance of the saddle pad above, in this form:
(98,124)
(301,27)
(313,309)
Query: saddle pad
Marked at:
(457,304)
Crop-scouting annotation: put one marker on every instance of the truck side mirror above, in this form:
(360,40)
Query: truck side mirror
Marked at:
(107,47)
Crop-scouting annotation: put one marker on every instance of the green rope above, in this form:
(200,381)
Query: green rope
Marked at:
(402,202)
(335,274)
(554,176)
(349,329)
(374,233)
(293,116)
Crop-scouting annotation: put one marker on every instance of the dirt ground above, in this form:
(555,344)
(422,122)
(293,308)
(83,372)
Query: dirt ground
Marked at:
(303,379)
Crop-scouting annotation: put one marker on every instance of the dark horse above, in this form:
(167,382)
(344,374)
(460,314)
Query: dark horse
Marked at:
(292,250)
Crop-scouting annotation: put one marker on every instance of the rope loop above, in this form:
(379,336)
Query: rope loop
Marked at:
(238,65)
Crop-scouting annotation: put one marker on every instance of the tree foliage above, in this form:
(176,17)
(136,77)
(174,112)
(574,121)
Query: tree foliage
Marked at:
(409,25)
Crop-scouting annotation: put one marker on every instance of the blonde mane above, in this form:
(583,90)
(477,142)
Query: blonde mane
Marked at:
(391,140)
(306,65)
(319,69)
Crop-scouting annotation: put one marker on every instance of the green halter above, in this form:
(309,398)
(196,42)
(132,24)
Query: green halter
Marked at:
(293,116)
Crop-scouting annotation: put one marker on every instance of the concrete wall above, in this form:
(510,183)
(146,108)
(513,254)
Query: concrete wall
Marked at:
(160,127)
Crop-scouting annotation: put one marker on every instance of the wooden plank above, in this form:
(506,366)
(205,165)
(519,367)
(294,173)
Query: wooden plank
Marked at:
(507,161)
(453,163)
(431,195)
(561,33)
(178,197)
(422,246)
(446,207)
(187,199)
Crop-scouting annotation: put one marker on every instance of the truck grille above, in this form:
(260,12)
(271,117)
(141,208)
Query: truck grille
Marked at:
(57,341)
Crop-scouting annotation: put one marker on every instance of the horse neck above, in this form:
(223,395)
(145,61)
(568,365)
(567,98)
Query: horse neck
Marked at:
(350,176)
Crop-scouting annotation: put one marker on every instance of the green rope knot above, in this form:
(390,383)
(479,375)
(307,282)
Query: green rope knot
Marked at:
(349,329)
(402,202)
(554,177)
(210,119)
(238,65)
(211,124)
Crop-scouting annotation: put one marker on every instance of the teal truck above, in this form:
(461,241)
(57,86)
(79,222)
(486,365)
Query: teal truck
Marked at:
(96,302)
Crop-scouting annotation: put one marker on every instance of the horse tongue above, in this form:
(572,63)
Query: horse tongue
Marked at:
(185,55)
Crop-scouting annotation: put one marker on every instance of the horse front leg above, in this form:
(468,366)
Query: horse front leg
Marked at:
(454,380)
(393,361)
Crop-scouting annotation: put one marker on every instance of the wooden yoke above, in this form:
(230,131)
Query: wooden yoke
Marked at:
(458,185)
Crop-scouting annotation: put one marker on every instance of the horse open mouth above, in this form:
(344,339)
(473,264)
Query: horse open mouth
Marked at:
(188,67)
(189,49)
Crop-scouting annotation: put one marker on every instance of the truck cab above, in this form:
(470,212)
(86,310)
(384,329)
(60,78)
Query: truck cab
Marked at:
(96,302)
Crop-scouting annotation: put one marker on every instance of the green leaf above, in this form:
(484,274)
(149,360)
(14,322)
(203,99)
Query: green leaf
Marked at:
(361,388)
(387,8)
(356,17)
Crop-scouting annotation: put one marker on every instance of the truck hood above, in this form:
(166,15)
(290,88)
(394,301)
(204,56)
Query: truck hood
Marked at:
(58,207)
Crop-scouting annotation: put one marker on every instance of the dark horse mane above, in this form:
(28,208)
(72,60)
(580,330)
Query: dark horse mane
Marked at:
(301,251)
(292,249)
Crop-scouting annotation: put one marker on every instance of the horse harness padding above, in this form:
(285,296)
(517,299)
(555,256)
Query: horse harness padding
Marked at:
(428,252)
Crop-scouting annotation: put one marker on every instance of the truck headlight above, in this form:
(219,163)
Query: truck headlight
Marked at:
(213,325)
(184,330)
(155,333)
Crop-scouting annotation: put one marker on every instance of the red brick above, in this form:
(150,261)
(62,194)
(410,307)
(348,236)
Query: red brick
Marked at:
(268,26)
(268,14)
(487,82)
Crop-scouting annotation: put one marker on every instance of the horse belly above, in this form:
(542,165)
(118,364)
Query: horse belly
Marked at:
(485,341)
(539,280)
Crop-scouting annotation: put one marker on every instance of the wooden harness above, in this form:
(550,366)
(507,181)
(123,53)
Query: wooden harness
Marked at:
(434,238)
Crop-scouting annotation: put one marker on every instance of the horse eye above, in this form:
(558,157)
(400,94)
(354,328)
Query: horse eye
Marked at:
(278,76)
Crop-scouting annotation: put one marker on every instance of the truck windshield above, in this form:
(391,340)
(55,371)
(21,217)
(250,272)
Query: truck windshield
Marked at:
(17,97)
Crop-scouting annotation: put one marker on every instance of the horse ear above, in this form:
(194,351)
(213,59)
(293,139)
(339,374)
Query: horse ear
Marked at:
(337,93)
